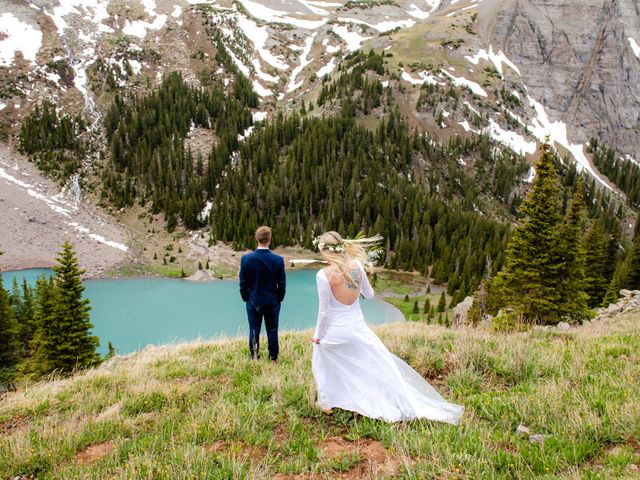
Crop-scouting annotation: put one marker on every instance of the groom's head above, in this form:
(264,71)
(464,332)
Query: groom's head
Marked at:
(263,236)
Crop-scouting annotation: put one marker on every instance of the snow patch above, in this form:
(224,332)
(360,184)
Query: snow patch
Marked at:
(259,116)
(269,15)
(304,61)
(424,77)
(470,107)
(467,127)
(54,204)
(259,36)
(463,82)
(498,59)
(263,75)
(20,37)
(382,26)
(420,14)
(139,28)
(634,46)
(557,132)
(352,39)
(241,66)
(531,175)
(261,90)
(203,216)
(627,157)
(328,68)
(98,238)
(330,48)
(513,140)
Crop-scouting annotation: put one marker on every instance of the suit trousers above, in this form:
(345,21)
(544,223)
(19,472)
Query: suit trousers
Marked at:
(271,314)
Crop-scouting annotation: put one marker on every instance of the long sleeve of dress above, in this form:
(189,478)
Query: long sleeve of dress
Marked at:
(324,293)
(366,289)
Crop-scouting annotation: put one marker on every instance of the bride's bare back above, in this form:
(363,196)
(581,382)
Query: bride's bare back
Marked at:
(342,291)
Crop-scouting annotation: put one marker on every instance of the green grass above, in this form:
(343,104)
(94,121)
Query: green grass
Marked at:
(406,307)
(398,282)
(202,410)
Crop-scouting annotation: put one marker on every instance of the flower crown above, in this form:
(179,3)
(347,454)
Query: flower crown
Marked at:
(339,248)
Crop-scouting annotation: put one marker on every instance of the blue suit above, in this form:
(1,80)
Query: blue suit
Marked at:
(263,286)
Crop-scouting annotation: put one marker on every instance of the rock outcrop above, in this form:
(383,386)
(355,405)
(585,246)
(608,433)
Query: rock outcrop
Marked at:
(577,57)
(461,312)
(629,301)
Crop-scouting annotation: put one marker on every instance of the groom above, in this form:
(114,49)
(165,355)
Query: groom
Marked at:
(262,287)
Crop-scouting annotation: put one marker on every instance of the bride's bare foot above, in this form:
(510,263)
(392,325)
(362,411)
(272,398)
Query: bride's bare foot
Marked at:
(327,410)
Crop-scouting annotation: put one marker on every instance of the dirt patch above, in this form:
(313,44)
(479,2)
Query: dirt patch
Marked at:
(95,452)
(237,449)
(301,476)
(634,444)
(336,447)
(376,460)
(9,426)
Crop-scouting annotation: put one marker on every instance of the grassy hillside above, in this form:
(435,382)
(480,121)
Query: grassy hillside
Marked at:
(202,410)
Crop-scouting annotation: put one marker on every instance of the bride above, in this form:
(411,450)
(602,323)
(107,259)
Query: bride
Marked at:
(352,368)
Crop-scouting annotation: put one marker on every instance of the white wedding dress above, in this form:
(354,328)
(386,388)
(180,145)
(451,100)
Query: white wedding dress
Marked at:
(354,371)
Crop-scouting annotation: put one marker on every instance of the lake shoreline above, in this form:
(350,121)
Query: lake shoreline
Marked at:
(132,313)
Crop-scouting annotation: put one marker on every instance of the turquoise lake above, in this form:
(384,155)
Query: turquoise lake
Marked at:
(134,313)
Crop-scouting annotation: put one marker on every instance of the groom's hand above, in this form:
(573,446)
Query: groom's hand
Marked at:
(316,341)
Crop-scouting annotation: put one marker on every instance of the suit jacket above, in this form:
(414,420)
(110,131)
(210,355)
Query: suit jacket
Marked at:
(262,278)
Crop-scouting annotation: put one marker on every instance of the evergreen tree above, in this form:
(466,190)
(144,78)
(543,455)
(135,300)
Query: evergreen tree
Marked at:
(573,299)
(23,304)
(416,308)
(632,280)
(66,343)
(427,306)
(596,265)
(529,281)
(442,303)
(611,296)
(43,344)
(406,298)
(111,351)
(9,339)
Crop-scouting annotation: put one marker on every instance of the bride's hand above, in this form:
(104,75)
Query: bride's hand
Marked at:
(316,341)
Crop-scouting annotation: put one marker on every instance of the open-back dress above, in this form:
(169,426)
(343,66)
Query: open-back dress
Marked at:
(354,371)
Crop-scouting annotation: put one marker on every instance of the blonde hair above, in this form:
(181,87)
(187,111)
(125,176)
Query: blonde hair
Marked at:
(340,251)
(263,234)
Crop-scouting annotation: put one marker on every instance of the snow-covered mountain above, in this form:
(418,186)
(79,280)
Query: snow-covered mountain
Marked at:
(573,82)
(527,69)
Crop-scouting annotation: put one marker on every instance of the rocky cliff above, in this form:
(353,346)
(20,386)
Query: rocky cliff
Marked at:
(580,59)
